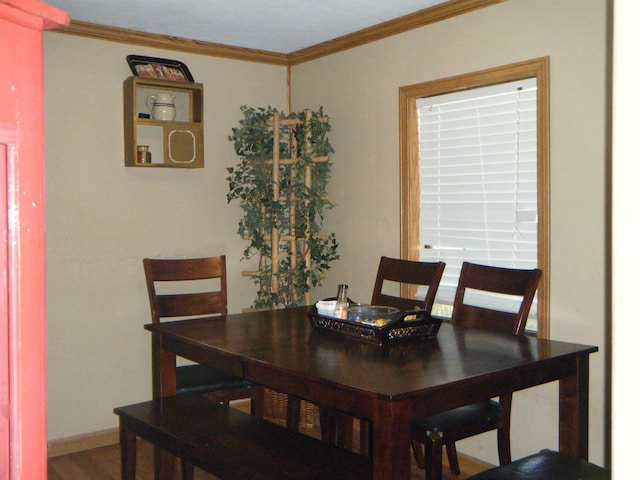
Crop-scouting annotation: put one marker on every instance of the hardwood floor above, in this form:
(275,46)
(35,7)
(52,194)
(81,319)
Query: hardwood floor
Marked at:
(104,464)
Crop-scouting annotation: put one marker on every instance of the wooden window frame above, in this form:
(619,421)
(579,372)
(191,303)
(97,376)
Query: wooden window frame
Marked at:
(409,162)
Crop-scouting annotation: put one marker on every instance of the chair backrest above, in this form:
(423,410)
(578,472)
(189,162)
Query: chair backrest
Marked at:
(188,299)
(521,284)
(407,272)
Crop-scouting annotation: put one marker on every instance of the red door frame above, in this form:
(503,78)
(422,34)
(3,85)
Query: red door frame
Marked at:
(23,433)
(4,324)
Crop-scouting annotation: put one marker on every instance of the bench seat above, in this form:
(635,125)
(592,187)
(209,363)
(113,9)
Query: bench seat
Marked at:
(231,444)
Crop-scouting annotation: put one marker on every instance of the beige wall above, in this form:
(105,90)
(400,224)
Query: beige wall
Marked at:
(359,90)
(103,218)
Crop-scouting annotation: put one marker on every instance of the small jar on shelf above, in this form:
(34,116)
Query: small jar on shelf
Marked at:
(144,155)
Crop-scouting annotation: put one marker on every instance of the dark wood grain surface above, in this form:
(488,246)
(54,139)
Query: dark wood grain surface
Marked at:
(388,385)
(103,463)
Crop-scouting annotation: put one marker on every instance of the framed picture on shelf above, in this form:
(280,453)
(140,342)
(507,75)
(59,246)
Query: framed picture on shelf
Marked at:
(159,68)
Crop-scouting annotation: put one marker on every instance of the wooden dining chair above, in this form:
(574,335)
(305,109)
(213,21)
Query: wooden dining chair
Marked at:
(448,427)
(391,273)
(408,272)
(188,288)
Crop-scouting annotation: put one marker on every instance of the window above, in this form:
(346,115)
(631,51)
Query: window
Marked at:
(474,167)
(478,182)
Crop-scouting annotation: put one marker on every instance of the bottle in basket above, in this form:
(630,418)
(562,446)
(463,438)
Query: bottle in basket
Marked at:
(342,304)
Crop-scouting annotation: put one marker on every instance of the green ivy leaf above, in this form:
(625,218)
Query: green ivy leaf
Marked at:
(299,210)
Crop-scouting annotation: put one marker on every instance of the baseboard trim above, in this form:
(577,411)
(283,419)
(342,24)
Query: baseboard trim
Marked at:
(78,443)
(103,438)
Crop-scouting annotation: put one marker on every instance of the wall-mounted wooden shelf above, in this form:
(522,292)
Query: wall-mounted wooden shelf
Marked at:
(177,143)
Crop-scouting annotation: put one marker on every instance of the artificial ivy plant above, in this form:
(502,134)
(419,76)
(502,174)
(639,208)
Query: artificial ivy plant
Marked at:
(304,254)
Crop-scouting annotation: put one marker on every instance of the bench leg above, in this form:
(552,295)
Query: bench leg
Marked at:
(187,470)
(128,451)
(164,464)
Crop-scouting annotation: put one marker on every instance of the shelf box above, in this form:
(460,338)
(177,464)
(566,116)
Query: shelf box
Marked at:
(177,144)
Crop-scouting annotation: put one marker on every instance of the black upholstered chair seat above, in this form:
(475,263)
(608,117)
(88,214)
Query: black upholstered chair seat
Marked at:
(462,422)
(546,465)
(202,379)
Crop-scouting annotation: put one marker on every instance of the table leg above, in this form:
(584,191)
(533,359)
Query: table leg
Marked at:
(163,366)
(164,464)
(391,441)
(574,411)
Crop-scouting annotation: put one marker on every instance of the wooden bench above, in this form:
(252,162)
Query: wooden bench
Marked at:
(546,465)
(231,444)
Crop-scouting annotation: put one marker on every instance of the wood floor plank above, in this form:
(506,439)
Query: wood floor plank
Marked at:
(69,467)
(104,464)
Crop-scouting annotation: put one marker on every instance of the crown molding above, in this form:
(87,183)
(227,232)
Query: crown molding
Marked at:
(414,20)
(418,19)
(165,42)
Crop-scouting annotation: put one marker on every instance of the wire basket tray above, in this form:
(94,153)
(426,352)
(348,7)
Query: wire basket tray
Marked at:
(410,324)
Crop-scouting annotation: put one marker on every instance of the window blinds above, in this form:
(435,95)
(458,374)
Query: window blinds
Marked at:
(478,179)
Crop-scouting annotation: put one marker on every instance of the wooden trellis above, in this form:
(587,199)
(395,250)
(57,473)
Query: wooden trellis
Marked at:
(284,233)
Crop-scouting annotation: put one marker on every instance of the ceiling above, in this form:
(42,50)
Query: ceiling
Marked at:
(281,26)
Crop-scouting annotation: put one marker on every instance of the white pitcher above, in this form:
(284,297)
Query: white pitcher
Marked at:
(161,106)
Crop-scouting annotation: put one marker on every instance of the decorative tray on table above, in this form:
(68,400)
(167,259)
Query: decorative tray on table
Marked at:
(378,325)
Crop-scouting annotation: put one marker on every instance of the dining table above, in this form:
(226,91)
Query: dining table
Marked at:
(389,385)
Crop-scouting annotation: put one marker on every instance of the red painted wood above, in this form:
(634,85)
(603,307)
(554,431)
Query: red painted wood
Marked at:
(4,329)
(22,263)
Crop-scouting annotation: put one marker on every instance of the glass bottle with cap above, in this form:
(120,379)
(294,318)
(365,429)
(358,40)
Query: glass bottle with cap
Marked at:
(342,303)
(144,155)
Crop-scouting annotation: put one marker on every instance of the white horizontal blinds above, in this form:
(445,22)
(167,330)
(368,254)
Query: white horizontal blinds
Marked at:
(478,179)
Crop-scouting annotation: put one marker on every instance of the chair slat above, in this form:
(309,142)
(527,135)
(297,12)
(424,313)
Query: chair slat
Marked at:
(204,303)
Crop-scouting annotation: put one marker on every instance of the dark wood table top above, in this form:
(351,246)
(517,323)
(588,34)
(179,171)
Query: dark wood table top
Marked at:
(286,341)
